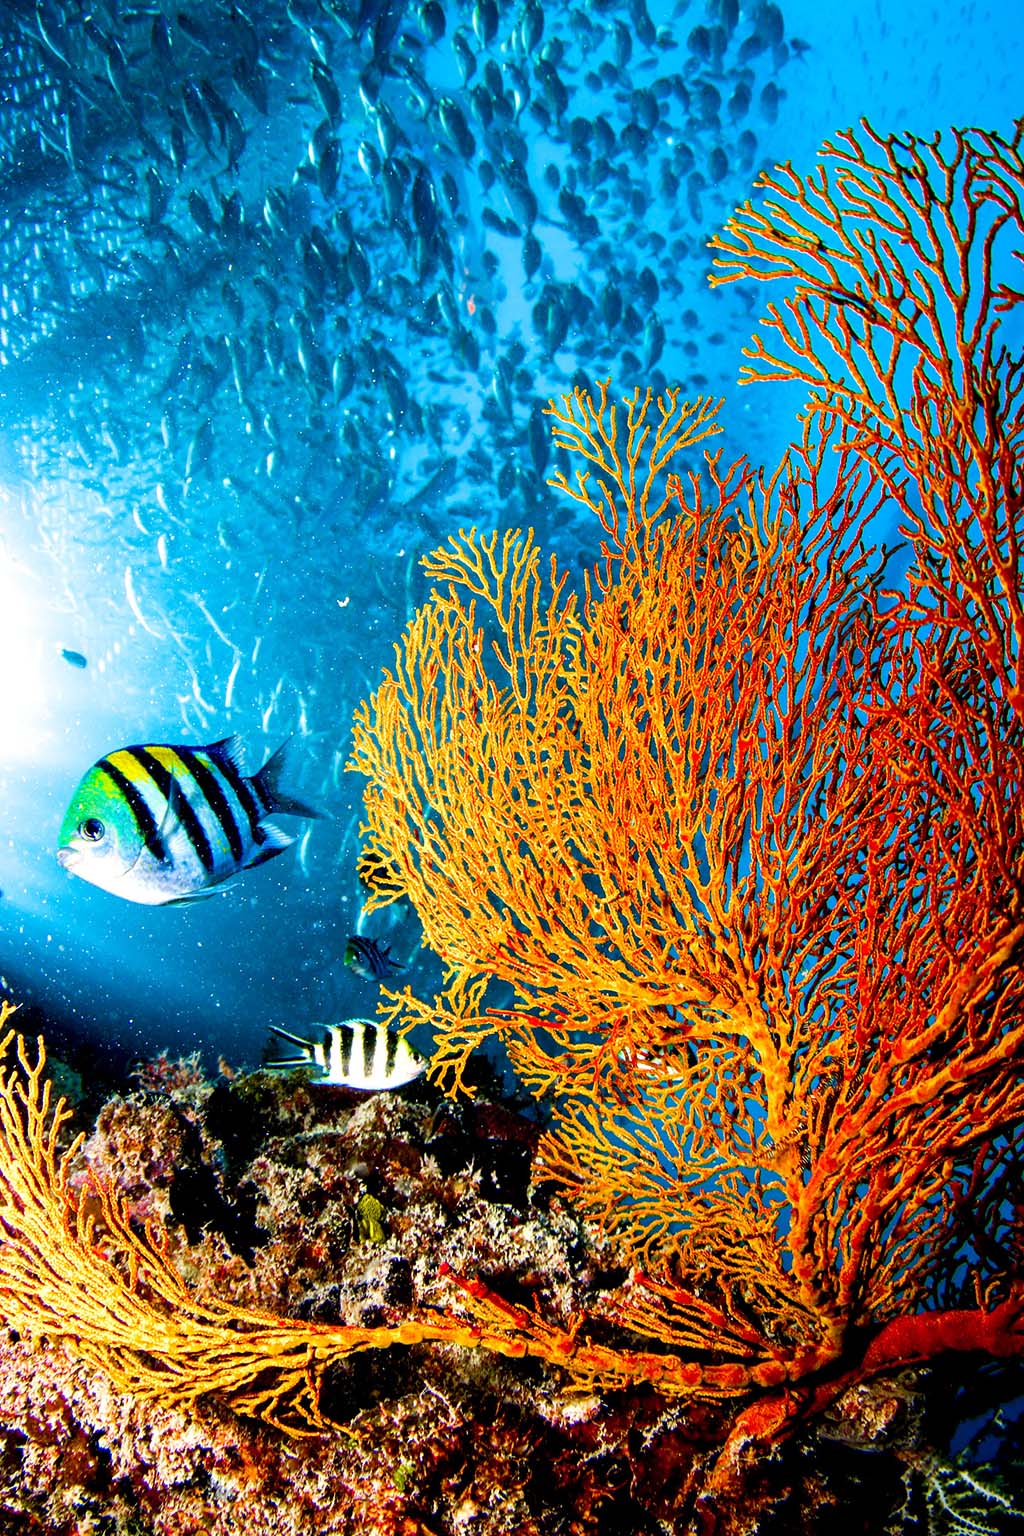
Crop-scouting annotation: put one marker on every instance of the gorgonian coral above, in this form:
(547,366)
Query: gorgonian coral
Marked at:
(738,830)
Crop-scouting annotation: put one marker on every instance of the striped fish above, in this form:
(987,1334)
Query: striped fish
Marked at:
(357,1053)
(371,959)
(161,824)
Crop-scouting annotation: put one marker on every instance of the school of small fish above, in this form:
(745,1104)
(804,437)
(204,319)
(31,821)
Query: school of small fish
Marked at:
(286,284)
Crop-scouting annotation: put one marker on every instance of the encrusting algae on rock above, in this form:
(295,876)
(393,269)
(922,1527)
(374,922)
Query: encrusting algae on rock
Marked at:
(135,1311)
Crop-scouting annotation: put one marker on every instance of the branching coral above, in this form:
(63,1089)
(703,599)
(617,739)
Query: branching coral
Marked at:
(674,839)
(900,253)
(740,830)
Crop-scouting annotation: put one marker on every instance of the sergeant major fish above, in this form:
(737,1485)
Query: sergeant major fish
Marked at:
(162,824)
(371,959)
(357,1053)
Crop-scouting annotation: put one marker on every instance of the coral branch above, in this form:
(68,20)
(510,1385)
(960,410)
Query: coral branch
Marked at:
(675,846)
(896,249)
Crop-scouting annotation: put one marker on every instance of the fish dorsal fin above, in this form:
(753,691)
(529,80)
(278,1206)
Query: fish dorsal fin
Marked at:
(230,752)
(279,1060)
(286,1034)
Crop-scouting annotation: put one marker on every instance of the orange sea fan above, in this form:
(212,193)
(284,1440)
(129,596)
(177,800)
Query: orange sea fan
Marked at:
(662,841)
(702,850)
(898,253)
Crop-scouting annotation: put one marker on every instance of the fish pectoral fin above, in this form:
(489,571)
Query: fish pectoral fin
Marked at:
(172,844)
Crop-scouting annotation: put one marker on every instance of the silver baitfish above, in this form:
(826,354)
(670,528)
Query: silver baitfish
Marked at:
(357,1053)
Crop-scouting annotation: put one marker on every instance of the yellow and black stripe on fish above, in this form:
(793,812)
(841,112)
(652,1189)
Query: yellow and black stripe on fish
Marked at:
(357,1053)
(163,824)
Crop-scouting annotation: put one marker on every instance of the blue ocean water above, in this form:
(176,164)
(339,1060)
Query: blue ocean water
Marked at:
(272,326)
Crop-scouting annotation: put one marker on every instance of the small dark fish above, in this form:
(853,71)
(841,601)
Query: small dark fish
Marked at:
(492,220)
(75,659)
(326,88)
(464,56)
(539,438)
(386,29)
(200,450)
(359,268)
(483,105)
(718,165)
(199,208)
(771,96)
(432,20)
(455,127)
(388,131)
(369,159)
(54,36)
(531,27)
(197,117)
(216,106)
(252,84)
(485,21)
(554,89)
(424,204)
(117,68)
(643,26)
(654,340)
(157,196)
(197,33)
(371,959)
(647,286)
(739,101)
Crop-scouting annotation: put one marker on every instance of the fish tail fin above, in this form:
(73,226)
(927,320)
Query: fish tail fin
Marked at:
(275,1059)
(273,1063)
(272,793)
(286,1034)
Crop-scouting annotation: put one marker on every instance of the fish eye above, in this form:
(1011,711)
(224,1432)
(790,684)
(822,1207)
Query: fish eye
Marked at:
(92,829)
